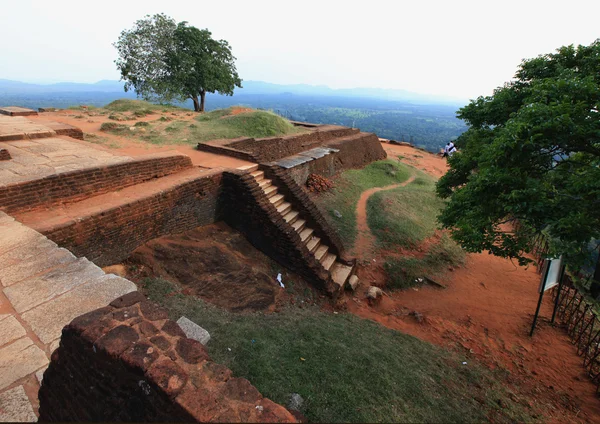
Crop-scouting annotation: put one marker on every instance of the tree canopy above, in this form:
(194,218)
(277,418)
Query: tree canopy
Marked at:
(164,60)
(531,155)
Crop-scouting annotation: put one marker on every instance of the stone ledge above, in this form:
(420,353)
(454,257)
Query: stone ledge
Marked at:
(128,362)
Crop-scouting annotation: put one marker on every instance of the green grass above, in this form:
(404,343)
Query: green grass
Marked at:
(346,369)
(82,107)
(128,105)
(404,272)
(405,216)
(348,188)
(219,124)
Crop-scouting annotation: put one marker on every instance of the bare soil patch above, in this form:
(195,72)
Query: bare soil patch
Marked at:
(486,313)
(217,264)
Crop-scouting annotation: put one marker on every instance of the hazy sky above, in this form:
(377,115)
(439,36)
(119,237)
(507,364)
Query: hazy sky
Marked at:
(453,48)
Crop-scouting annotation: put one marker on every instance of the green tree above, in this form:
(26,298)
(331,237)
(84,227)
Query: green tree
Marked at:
(164,60)
(531,155)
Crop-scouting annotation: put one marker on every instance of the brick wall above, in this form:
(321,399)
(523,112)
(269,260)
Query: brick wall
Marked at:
(4,154)
(80,184)
(273,148)
(357,151)
(65,129)
(128,362)
(109,237)
(247,209)
(325,166)
(298,197)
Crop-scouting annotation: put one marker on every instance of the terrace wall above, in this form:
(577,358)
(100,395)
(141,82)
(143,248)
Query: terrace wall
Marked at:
(76,185)
(110,237)
(129,362)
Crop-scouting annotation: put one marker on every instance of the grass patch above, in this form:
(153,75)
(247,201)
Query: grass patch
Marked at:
(141,124)
(383,375)
(405,216)
(221,123)
(118,117)
(114,128)
(128,105)
(175,127)
(404,272)
(348,188)
(82,108)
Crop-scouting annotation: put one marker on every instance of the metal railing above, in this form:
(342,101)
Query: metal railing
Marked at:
(581,321)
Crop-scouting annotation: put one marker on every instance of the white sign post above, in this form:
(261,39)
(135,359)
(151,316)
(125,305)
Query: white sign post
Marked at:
(551,276)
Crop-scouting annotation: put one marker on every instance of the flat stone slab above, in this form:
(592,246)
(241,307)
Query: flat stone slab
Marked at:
(48,319)
(35,265)
(15,406)
(16,235)
(20,128)
(31,292)
(193,330)
(39,158)
(26,252)
(319,152)
(19,359)
(11,329)
(17,111)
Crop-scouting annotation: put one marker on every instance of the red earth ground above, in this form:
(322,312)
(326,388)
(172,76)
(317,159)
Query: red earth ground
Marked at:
(91,123)
(485,312)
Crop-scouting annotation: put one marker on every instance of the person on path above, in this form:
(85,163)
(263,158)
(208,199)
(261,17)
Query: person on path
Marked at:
(446,150)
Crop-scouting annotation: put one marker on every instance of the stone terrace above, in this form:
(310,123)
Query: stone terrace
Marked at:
(43,288)
(38,158)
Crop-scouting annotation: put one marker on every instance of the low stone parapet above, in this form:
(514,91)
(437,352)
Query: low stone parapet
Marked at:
(129,362)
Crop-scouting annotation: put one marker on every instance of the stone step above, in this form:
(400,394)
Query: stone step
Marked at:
(248,168)
(328,261)
(258,175)
(340,273)
(313,244)
(284,208)
(305,234)
(299,225)
(270,191)
(264,183)
(321,251)
(291,217)
(277,199)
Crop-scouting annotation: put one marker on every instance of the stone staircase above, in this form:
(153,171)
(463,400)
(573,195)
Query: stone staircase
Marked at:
(339,272)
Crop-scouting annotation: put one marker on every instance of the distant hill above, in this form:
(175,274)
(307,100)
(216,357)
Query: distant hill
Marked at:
(427,121)
(249,87)
(18,87)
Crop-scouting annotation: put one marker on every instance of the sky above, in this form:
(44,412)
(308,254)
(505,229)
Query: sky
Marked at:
(459,49)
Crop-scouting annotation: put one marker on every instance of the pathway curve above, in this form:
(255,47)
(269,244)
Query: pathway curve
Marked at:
(365,240)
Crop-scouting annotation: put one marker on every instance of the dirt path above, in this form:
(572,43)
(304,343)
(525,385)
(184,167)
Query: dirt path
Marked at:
(365,241)
(485,314)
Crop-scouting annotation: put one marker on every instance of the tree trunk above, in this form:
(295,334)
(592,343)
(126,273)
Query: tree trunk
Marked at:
(202,97)
(196,104)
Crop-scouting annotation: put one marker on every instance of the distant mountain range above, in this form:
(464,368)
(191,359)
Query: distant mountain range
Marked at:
(249,88)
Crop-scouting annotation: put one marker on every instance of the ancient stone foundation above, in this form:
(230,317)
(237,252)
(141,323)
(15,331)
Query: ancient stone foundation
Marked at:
(129,362)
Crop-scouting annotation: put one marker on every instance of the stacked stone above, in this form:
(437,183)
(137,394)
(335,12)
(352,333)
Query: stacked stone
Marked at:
(318,184)
(4,154)
(129,362)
